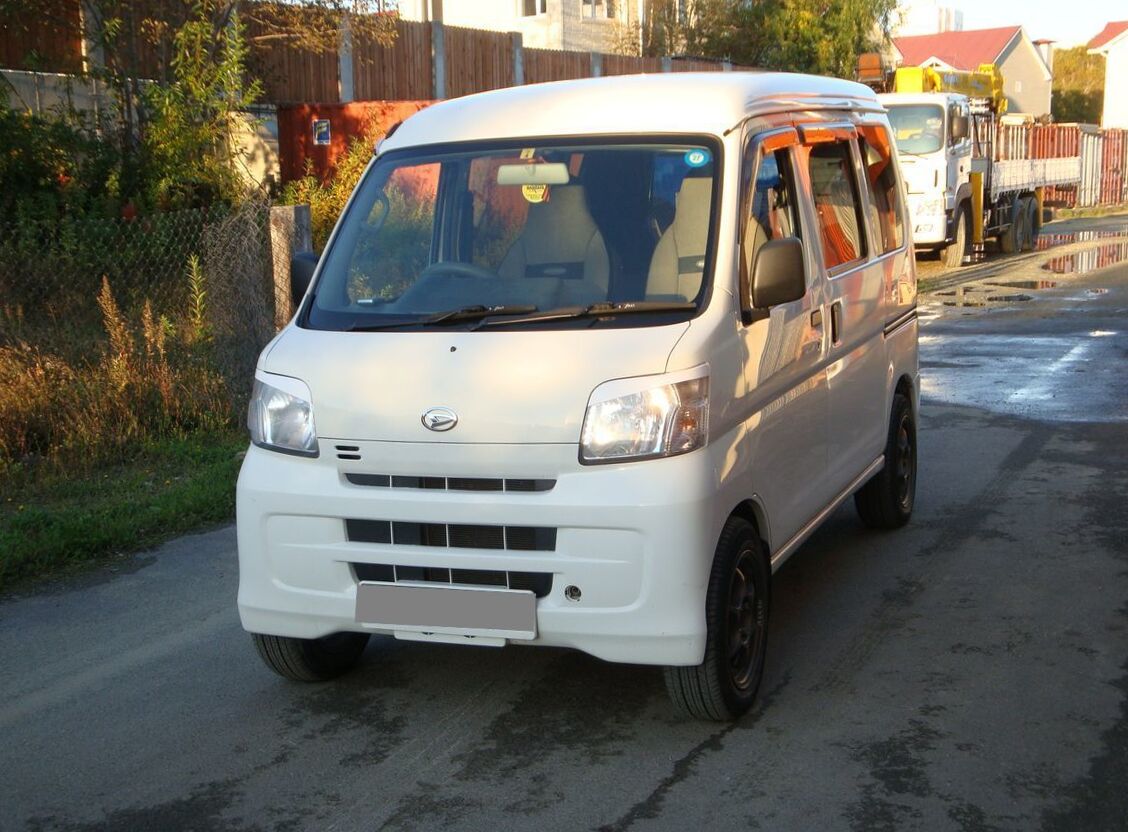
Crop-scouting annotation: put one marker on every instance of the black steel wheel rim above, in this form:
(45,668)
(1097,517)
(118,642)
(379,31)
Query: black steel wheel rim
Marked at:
(745,621)
(906,463)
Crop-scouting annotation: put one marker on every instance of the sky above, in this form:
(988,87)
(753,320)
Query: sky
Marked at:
(1069,22)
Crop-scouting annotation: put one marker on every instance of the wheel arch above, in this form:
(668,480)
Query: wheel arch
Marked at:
(753,511)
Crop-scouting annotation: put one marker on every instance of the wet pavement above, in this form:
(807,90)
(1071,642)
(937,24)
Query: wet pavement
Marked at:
(969,672)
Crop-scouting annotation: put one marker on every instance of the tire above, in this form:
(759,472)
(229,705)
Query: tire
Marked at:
(737,604)
(886,501)
(953,256)
(310,659)
(1032,225)
(1010,240)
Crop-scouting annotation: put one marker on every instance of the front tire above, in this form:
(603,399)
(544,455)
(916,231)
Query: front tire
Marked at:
(953,256)
(886,501)
(310,659)
(724,685)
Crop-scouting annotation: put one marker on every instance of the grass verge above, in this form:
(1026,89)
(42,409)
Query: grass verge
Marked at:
(172,486)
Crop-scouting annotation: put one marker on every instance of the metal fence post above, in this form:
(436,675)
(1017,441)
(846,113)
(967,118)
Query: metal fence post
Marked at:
(518,59)
(346,83)
(596,64)
(290,232)
(667,64)
(438,59)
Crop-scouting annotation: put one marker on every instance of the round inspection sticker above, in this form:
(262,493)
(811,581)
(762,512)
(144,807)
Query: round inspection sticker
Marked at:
(535,193)
(697,158)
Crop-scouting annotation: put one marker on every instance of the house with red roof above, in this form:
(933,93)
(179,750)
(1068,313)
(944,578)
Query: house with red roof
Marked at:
(1112,42)
(1027,69)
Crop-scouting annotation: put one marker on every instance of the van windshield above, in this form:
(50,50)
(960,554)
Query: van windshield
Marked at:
(517,235)
(917,128)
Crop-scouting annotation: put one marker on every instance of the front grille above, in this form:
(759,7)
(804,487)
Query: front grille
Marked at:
(453,535)
(448,483)
(540,583)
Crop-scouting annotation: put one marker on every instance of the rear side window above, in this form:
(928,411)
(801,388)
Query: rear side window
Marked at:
(886,214)
(834,189)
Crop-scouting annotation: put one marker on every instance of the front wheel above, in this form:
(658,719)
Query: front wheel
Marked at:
(310,659)
(724,685)
(886,501)
(953,256)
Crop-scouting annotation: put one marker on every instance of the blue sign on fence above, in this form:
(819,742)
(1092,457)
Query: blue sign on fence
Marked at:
(321,131)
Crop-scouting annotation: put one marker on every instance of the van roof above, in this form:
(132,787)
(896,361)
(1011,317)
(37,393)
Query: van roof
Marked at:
(682,102)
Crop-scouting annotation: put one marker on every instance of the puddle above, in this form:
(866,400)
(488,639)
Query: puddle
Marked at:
(1025,284)
(1090,260)
(1047,241)
(1008,298)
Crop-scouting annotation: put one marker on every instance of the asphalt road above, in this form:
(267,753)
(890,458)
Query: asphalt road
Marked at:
(968,672)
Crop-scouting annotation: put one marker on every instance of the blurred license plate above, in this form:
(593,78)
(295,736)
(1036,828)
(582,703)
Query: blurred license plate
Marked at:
(474,611)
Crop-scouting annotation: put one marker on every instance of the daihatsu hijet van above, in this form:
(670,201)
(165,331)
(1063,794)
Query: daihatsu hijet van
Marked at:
(582,364)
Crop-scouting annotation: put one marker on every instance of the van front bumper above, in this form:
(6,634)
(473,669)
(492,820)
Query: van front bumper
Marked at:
(636,539)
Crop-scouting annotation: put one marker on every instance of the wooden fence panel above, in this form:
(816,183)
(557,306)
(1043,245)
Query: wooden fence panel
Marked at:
(289,74)
(401,72)
(630,65)
(46,39)
(555,65)
(477,60)
(693,65)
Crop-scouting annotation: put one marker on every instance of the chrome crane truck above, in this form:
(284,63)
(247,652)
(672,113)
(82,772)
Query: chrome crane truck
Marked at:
(968,166)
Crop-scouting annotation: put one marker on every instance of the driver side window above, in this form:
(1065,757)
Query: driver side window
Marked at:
(771,205)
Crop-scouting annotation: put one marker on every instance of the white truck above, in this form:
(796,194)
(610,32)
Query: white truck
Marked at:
(968,168)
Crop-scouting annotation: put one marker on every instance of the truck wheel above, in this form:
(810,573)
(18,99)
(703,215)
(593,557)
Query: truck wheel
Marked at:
(723,686)
(1032,226)
(310,659)
(953,256)
(886,501)
(1010,240)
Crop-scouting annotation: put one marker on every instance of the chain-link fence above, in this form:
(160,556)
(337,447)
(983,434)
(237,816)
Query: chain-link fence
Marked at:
(114,330)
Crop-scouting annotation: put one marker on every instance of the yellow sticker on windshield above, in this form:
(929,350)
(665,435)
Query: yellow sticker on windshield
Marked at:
(528,153)
(535,193)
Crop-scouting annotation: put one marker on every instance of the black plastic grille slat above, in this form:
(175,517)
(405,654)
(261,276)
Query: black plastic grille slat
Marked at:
(539,583)
(369,531)
(348,452)
(448,483)
(455,535)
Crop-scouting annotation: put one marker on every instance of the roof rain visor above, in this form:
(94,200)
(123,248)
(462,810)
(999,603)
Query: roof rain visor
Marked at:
(467,236)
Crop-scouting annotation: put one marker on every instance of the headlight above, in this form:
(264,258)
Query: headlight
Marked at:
(282,419)
(658,421)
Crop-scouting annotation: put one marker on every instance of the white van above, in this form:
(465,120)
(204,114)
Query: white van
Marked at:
(582,364)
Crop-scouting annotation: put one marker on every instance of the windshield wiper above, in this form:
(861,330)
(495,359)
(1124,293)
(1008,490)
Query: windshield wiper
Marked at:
(596,310)
(451,316)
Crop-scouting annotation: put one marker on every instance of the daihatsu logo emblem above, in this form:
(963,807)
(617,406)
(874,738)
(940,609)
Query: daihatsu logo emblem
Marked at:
(439,418)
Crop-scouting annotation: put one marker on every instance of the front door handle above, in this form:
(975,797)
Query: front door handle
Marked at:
(836,322)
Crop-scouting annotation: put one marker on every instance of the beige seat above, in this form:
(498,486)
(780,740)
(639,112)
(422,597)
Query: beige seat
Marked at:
(561,249)
(678,261)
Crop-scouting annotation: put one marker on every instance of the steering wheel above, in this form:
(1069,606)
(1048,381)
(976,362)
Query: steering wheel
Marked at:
(458,269)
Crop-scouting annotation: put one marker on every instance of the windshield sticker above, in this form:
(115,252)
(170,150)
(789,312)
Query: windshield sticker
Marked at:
(528,153)
(535,193)
(697,158)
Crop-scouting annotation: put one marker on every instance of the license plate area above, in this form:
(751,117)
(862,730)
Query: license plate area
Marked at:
(453,610)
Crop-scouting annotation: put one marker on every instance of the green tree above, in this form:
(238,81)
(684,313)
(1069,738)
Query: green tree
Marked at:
(1078,85)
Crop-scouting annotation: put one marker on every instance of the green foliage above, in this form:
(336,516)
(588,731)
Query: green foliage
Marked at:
(168,487)
(1078,94)
(197,299)
(817,36)
(188,141)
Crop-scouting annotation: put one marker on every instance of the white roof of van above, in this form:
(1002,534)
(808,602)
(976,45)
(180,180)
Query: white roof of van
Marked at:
(676,102)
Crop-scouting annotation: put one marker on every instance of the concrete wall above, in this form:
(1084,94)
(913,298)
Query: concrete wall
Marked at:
(1026,80)
(1116,86)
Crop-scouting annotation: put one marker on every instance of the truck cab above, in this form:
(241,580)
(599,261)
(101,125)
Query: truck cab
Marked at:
(936,154)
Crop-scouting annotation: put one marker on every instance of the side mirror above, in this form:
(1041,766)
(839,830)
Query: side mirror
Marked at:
(960,128)
(779,274)
(302,266)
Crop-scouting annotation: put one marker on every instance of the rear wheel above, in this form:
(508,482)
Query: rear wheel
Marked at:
(1010,240)
(724,685)
(310,659)
(953,256)
(886,501)
(1033,225)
